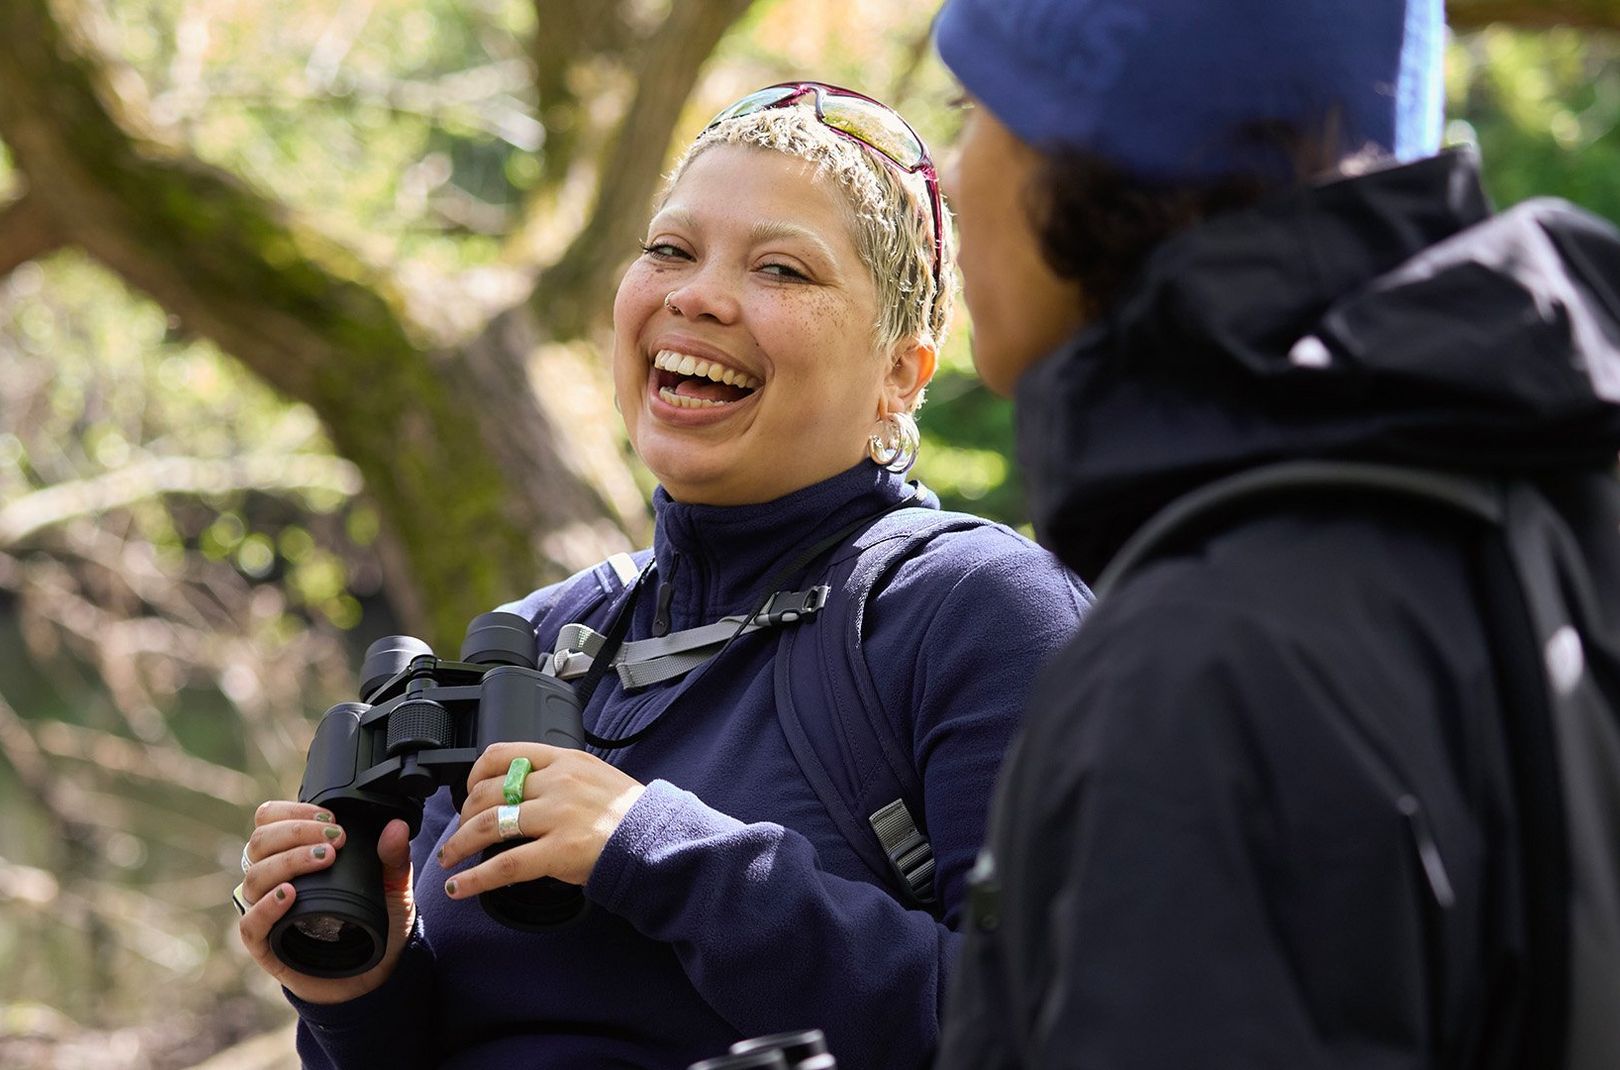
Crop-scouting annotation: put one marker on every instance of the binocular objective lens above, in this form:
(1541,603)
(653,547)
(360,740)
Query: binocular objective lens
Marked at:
(326,930)
(325,946)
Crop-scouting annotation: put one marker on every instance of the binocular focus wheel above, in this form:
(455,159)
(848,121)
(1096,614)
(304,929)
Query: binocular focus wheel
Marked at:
(419,724)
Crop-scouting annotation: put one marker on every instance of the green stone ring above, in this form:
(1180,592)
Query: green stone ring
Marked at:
(516,773)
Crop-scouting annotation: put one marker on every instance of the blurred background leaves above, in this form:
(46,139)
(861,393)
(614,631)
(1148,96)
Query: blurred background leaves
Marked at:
(302,313)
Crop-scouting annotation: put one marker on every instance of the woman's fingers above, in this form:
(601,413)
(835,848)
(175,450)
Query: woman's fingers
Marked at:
(573,802)
(491,791)
(523,862)
(481,829)
(270,840)
(260,918)
(267,873)
(497,758)
(288,840)
(287,810)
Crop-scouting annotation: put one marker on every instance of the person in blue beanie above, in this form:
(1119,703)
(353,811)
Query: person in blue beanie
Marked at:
(1277,805)
(771,342)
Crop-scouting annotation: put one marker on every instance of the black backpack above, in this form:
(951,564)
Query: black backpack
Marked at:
(1552,594)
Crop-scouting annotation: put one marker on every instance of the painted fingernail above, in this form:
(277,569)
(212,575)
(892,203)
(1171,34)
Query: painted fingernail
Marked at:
(319,852)
(281,894)
(323,816)
(439,854)
(332,833)
(450,888)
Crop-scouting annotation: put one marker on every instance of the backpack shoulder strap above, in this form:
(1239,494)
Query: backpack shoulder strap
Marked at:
(844,741)
(1209,504)
(1563,541)
(581,597)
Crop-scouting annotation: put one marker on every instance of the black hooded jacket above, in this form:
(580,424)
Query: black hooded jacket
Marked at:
(1261,815)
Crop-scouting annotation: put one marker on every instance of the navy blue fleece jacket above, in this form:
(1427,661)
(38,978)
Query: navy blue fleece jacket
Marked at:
(728,904)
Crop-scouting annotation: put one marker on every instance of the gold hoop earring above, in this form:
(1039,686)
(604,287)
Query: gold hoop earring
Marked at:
(895,443)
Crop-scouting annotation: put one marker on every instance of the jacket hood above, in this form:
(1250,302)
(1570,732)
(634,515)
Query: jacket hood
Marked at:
(1386,317)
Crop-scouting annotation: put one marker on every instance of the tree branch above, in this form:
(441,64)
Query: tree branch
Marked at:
(22,517)
(129,758)
(21,751)
(27,232)
(1466,15)
(306,315)
(567,32)
(571,293)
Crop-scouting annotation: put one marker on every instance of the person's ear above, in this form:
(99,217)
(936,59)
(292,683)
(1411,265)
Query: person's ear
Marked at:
(912,363)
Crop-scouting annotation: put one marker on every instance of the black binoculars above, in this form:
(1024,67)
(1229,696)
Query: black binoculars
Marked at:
(422,723)
(803,1050)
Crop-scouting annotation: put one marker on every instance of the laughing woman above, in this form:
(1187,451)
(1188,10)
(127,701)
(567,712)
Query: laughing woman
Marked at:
(771,342)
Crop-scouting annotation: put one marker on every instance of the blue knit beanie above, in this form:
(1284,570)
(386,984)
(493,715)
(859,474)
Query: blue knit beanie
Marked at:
(1164,89)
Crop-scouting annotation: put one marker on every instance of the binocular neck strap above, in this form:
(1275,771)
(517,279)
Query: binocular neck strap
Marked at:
(650,661)
(781,607)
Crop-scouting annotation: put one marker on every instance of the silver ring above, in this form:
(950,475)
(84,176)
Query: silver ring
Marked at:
(506,822)
(246,861)
(669,302)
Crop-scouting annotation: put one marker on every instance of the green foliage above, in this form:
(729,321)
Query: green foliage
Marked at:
(967,455)
(1545,110)
(103,381)
(396,127)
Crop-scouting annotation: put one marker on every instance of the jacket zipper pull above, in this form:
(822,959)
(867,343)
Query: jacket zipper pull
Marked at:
(666,595)
(1434,867)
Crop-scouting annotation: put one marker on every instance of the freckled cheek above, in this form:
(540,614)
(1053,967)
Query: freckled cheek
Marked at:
(826,317)
(633,306)
(638,297)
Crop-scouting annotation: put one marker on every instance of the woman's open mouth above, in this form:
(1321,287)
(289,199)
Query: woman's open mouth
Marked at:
(690,382)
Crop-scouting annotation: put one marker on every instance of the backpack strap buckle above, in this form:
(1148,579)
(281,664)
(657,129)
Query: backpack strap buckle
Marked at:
(911,856)
(650,661)
(786,607)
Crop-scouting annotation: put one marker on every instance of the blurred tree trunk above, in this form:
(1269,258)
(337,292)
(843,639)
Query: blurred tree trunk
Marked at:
(666,68)
(482,488)
(26,231)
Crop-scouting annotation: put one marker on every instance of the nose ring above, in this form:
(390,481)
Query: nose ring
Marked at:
(669,302)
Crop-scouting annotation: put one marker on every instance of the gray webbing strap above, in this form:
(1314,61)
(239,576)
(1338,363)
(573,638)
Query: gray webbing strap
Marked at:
(651,661)
(908,849)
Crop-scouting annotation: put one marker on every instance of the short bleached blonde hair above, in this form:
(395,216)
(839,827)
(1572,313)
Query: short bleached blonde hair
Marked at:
(890,217)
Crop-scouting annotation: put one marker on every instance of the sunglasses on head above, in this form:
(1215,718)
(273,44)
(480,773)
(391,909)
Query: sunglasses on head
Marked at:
(860,118)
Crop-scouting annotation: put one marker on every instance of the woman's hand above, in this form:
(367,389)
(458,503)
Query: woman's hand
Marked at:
(292,838)
(573,802)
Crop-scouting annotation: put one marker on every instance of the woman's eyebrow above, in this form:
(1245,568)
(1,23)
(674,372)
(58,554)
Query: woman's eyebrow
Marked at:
(676,217)
(760,233)
(778,230)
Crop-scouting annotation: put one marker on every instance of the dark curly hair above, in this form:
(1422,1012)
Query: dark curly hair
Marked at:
(1097,224)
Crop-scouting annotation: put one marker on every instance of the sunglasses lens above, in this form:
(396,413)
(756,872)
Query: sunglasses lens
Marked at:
(864,120)
(876,125)
(757,101)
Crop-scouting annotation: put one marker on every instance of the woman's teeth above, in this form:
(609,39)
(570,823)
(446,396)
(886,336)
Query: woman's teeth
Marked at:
(685,364)
(681,401)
